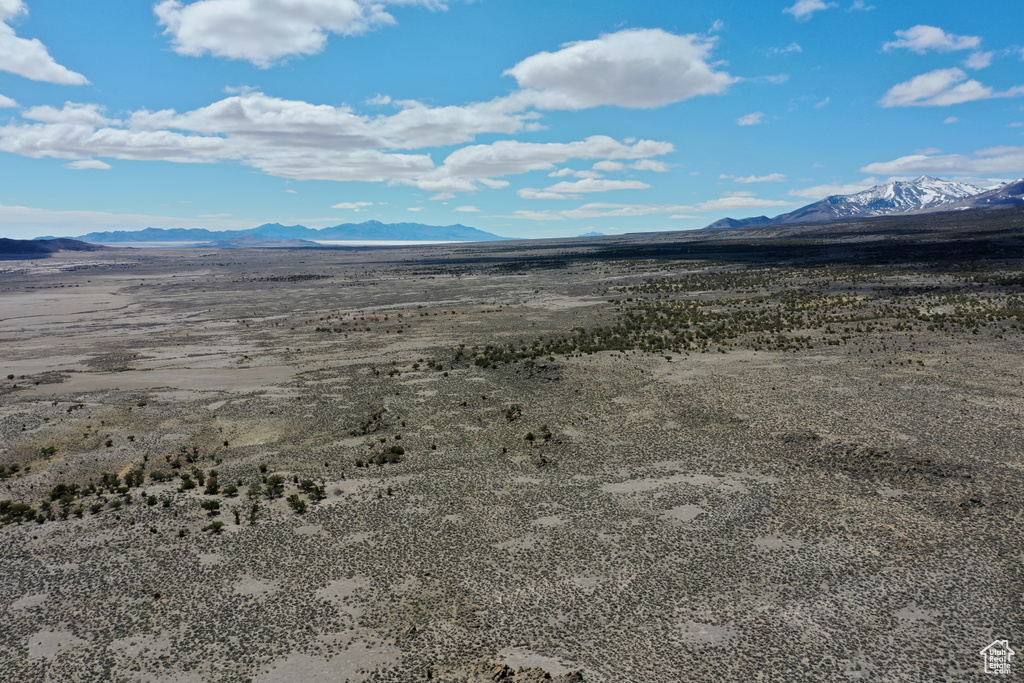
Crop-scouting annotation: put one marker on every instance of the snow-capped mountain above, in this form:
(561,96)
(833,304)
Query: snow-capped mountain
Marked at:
(921,195)
(898,197)
(1010,194)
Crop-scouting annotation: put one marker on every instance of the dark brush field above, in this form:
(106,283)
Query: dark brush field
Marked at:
(785,455)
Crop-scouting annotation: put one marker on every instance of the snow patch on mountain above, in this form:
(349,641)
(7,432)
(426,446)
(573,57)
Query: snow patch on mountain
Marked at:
(903,196)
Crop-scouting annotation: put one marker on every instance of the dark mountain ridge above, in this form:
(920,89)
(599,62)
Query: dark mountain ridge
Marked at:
(368,231)
(41,248)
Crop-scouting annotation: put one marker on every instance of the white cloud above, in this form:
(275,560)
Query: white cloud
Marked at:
(604,210)
(651,165)
(572,190)
(442,197)
(979,60)
(510,157)
(29,57)
(951,119)
(741,202)
(805,9)
(635,68)
(415,209)
(88,164)
(824,103)
(822,191)
(994,160)
(7,102)
(770,178)
(859,6)
(753,119)
(22,221)
(267,31)
(599,210)
(789,49)
(534,193)
(292,191)
(72,113)
(606,166)
(303,141)
(255,114)
(354,206)
(941,88)
(467,209)
(588,185)
(922,38)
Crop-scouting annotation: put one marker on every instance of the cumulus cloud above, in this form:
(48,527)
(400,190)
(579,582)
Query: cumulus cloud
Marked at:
(753,119)
(266,31)
(979,60)
(651,165)
(467,209)
(606,166)
(770,178)
(598,210)
(415,126)
(304,141)
(88,164)
(511,157)
(353,206)
(606,210)
(994,160)
(635,68)
(821,191)
(28,57)
(923,38)
(569,189)
(534,193)
(738,202)
(7,102)
(805,9)
(71,113)
(941,88)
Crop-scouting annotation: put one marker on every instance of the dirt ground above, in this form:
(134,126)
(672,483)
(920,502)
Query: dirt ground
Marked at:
(582,458)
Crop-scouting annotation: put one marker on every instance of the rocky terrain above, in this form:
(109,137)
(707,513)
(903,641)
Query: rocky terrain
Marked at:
(618,459)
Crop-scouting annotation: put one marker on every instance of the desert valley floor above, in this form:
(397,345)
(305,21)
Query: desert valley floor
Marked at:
(609,460)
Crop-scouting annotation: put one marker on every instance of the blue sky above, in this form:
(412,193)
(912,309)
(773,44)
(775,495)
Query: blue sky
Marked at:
(526,118)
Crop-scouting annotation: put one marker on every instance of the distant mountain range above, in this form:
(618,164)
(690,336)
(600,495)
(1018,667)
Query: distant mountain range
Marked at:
(275,232)
(921,195)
